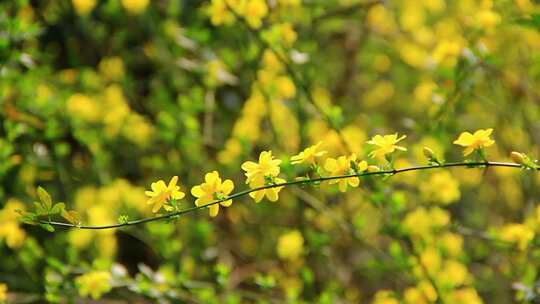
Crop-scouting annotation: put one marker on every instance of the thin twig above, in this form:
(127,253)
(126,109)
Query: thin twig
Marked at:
(285,184)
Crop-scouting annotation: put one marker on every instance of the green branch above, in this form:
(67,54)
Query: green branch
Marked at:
(285,184)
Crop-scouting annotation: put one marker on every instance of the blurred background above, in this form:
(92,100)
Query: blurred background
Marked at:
(99,98)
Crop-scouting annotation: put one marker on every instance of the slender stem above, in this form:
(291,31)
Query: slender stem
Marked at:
(290,183)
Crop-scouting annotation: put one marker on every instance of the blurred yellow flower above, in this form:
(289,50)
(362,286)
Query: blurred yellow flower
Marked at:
(213,189)
(453,273)
(487,19)
(10,230)
(135,7)
(161,194)
(287,33)
(3,292)
(343,166)
(83,107)
(285,87)
(94,284)
(13,234)
(386,144)
(309,155)
(441,188)
(112,68)
(384,297)
(452,243)
(421,221)
(480,139)
(83,7)
(253,11)
(219,13)
(465,296)
(413,295)
(290,245)
(518,234)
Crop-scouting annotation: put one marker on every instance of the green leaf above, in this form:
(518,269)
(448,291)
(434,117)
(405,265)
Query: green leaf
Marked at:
(71,216)
(58,208)
(27,217)
(533,21)
(47,227)
(40,209)
(123,219)
(45,198)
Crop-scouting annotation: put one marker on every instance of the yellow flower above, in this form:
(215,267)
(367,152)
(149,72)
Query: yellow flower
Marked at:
(480,139)
(386,144)
(441,187)
(253,11)
(112,68)
(267,167)
(263,173)
(384,297)
(465,296)
(213,189)
(94,284)
(517,233)
(3,292)
(219,13)
(83,7)
(135,7)
(342,166)
(285,87)
(308,155)
(161,194)
(421,221)
(290,245)
(83,107)
(270,193)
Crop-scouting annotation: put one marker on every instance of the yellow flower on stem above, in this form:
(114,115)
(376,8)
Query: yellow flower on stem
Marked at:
(211,190)
(267,167)
(270,193)
(386,144)
(480,139)
(309,155)
(161,194)
(343,166)
(263,173)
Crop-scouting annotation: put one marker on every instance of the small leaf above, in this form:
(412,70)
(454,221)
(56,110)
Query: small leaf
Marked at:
(27,217)
(58,208)
(71,216)
(47,227)
(40,209)
(123,219)
(45,198)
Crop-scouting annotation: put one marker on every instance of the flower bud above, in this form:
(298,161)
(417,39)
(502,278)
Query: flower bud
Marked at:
(518,157)
(429,153)
(372,168)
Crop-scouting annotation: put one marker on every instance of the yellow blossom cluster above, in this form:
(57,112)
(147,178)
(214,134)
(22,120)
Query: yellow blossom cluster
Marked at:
(268,96)
(343,170)
(117,195)
(111,110)
(134,7)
